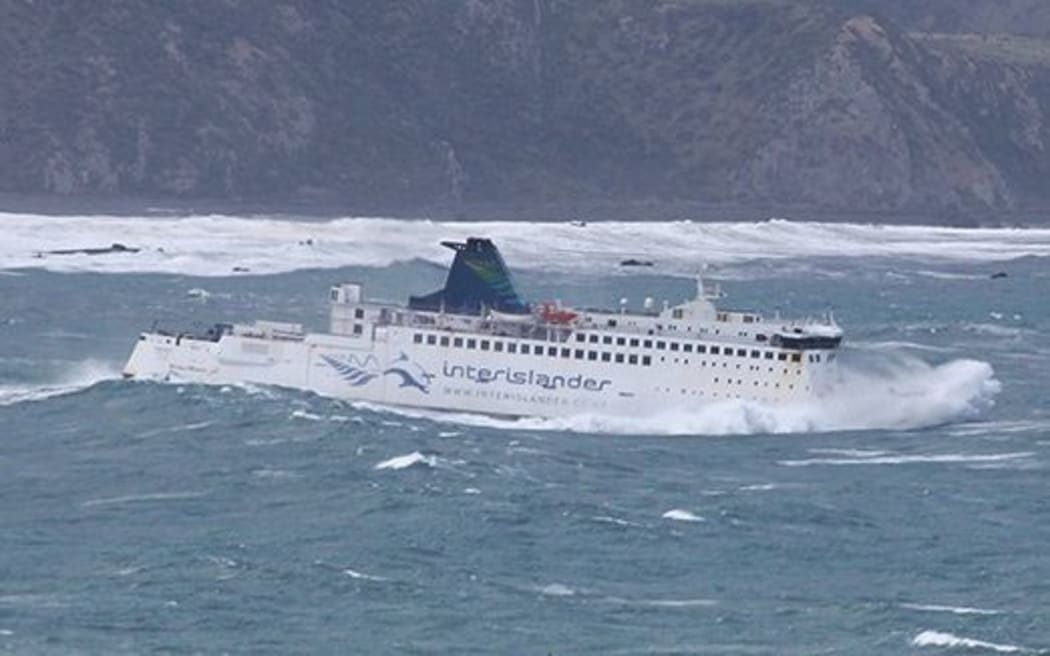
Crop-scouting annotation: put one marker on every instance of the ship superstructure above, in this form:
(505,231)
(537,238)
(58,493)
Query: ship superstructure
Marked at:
(475,345)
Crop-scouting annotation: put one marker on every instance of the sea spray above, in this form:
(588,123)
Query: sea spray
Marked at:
(220,245)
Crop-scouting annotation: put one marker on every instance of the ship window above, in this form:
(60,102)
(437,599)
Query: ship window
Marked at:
(620,341)
(756,354)
(646,361)
(444,341)
(676,313)
(742,353)
(472,343)
(612,323)
(592,355)
(432,340)
(674,346)
(417,338)
(606,357)
(512,347)
(579,354)
(634,342)
(497,346)
(619,358)
(795,357)
(769,355)
(632,359)
(567,352)
(334,295)
(359,313)
(524,349)
(688,348)
(701,348)
(648,343)
(607,339)
(714,350)
(818,357)
(484,345)
(782,357)
(748,318)
(552,351)
(457,342)
(661,345)
(358,329)
(594,339)
(760,337)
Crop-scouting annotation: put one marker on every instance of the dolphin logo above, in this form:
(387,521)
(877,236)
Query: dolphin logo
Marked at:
(359,373)
(411,374)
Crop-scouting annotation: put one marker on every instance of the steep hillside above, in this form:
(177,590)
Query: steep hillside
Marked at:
(415,106)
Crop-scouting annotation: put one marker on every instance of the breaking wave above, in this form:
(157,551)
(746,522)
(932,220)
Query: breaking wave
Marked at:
(216,245)
(79,377)
(952,641)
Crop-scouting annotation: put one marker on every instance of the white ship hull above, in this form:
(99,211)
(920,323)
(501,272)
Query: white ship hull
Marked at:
(475,346)
(391,368)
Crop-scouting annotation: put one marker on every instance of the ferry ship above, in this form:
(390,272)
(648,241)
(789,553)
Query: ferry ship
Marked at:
(476,346)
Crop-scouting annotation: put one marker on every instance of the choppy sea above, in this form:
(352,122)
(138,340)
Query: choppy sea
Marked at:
(909,514)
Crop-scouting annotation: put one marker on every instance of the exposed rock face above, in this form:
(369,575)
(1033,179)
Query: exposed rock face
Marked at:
(864,121)
(418,104)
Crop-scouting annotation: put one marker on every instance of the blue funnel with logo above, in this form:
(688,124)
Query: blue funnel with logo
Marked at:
(477,281)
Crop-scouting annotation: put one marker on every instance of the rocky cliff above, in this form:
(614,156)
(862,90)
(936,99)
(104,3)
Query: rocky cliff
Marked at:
(421,106)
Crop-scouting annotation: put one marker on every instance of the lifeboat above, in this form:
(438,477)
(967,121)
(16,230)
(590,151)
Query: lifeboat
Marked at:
(551,313)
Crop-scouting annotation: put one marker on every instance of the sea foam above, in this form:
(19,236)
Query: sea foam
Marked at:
(940,639)
(408,460)
(216,245)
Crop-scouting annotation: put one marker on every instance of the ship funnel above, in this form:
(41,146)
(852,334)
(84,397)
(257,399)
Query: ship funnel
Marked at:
(478,280)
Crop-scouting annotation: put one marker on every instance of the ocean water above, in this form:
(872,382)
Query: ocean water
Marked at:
(908,514)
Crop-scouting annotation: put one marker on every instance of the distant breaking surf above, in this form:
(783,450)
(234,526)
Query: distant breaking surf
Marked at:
(217,245)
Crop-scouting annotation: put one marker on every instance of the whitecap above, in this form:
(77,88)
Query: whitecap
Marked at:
(608,519)
(303,414)
(938,458)
(680,515)
(940,639)
(408,460)
(852,453)
(354,574)
(142,498)
(557,590)
(471,490)
(955,610)
(663,603)
(212,245)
